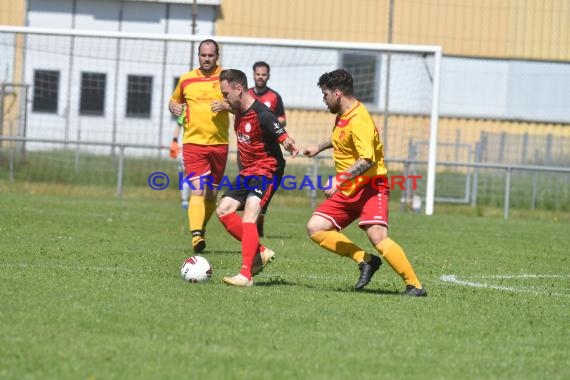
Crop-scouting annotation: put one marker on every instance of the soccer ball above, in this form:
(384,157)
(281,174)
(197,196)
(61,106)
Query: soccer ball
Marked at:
(196,269)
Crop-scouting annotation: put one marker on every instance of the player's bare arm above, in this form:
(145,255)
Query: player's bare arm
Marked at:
(313,150)
(358,168)
(290,146)
(218,106)
(175,108)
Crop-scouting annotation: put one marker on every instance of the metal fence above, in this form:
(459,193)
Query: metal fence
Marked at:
(72,165)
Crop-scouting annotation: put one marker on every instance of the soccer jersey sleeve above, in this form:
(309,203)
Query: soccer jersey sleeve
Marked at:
(177,94)
(279,107)
(270,125)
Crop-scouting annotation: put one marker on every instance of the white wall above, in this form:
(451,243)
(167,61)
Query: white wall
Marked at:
(100,56)
(7,58)
(470,87)
(539,91)
(505,89)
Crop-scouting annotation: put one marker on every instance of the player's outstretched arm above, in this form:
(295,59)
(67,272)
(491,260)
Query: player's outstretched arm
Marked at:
(313,150)
(219,106)
(290,146)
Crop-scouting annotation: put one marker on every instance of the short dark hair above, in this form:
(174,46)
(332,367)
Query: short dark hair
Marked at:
(209,41)
(337,80)
(261,64)
(234,76)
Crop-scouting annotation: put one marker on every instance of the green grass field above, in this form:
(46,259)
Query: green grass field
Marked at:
(90,289)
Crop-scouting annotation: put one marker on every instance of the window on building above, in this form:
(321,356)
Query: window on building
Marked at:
(363,68)
(139,90)
(92,94)
(46,91)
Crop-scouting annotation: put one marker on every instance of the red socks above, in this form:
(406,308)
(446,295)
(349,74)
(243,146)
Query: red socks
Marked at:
(247,234)
(232,223)
(249,248)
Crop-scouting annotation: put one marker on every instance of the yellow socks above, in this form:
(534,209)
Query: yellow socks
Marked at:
(338,243)
(210,207)
(395,256)
(196,214)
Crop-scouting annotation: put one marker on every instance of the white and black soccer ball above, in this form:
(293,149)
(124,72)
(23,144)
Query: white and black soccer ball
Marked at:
(196,269)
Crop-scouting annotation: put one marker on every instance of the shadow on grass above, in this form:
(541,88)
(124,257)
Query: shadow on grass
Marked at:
(384,292)
(280,281)
(275,281)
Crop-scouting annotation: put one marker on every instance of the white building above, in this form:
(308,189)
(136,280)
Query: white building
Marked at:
(106,89)
(100,89)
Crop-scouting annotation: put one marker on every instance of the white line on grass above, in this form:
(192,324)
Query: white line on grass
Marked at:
(509,276)
(451,278)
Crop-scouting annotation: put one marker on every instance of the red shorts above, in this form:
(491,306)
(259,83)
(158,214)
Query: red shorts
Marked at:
(370,204)
(205,160)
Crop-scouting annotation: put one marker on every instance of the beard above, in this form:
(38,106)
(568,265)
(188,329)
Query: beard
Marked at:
(333,108)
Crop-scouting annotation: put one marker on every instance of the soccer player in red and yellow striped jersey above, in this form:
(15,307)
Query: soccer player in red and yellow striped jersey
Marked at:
(357,151)
(205,137)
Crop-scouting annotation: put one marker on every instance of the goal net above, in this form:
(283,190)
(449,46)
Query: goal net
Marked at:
(109,89)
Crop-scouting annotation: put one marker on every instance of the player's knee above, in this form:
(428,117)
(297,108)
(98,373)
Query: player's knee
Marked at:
(313,227)
(376,233)
(317,224)
(222,211)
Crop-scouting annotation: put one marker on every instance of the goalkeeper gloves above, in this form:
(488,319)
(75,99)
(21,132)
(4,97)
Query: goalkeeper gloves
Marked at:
(174,148)
(182,118)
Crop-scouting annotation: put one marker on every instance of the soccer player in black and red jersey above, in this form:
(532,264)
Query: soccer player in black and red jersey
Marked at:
(259,134)
(273,101)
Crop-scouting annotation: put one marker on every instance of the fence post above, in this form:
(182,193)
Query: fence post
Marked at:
(313,172)
(120,171)
(507,193)
(534,186)
(524,148)
(548,153)
(404,193)
(11,162)
(468,171)
(457,143)
(77,146)
(2,90)
(478,153)
(502,142)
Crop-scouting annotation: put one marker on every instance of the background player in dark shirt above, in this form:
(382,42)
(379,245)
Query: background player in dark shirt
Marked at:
(259,134)
(265,94)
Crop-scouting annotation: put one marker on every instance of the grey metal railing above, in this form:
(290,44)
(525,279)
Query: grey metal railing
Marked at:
(312,170)
(508,168)
(114,146)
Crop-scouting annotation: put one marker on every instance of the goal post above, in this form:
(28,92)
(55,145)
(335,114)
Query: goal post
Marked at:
(113,87)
